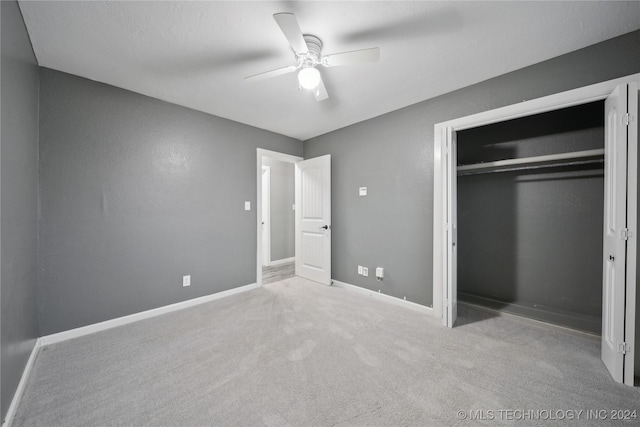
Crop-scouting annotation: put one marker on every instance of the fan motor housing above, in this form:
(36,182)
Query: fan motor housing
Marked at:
(314,44)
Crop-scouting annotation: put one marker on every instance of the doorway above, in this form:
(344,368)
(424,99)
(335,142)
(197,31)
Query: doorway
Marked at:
(278,220)
(312,209)
(621,157)
(276,216)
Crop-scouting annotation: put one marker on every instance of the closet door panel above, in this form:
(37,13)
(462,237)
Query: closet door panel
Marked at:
(614,243)
(452,232)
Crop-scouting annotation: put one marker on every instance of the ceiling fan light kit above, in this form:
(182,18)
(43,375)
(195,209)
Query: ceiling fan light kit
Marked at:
(308,53)
(309,78)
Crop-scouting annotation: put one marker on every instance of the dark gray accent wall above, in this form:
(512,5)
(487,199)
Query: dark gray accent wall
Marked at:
(19,199)
(393,156)
(282,214)
(135,193)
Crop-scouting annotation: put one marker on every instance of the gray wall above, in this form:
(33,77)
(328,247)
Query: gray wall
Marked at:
(393,156)
(19,199)
(134,194)
(282,214)
(533,238)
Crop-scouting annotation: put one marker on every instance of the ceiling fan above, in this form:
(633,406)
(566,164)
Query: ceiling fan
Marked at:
(308,53)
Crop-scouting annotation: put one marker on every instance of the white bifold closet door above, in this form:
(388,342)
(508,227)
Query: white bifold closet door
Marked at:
(616,233)
(451,290)
(313,219)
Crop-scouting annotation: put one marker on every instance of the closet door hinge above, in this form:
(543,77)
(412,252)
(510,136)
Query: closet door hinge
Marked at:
(624,348)
(627,119)
(625,234)
(445,303)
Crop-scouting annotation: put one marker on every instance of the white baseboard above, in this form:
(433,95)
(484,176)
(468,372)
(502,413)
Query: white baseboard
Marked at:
(281,261)
(388,298)
(15,402)
(119,321)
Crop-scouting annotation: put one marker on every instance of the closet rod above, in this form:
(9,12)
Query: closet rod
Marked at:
(561,159)
(535,166)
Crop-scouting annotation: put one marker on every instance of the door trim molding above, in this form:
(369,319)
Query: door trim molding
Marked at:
(261,154)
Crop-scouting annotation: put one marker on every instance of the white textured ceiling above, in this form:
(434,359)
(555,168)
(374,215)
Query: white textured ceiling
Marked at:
(196,54)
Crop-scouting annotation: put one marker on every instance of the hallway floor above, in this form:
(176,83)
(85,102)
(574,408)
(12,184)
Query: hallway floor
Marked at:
(278,272)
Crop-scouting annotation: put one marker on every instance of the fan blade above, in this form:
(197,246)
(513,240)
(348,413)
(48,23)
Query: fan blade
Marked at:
(320,92)
(272,73)
(354,57)
(289,26)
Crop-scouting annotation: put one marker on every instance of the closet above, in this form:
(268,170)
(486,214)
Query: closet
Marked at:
(536,211)
(530,214)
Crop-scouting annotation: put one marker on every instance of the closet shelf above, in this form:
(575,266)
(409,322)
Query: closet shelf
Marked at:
(550,160)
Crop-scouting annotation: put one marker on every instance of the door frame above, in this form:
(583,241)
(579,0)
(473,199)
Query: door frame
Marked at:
(266,216)
(262,154)
(445,132)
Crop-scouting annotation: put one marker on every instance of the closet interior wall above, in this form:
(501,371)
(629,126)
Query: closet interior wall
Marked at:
(530,240)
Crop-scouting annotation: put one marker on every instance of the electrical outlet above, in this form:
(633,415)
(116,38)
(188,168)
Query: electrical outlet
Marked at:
(365,271)
(247,206)
(186,281)
(359,269)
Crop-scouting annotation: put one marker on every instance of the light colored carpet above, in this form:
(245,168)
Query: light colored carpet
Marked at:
(298,353)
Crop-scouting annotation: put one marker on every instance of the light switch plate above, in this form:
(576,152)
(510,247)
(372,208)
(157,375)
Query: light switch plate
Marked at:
(247,206)
(186,281)
(362,191)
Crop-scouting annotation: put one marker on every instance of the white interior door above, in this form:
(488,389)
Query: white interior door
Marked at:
(313,219)
(615,236)
(266,215)
(451,284)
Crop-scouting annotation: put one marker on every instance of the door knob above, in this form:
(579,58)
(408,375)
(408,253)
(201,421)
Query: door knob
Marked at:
(326,227)
(611,258)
